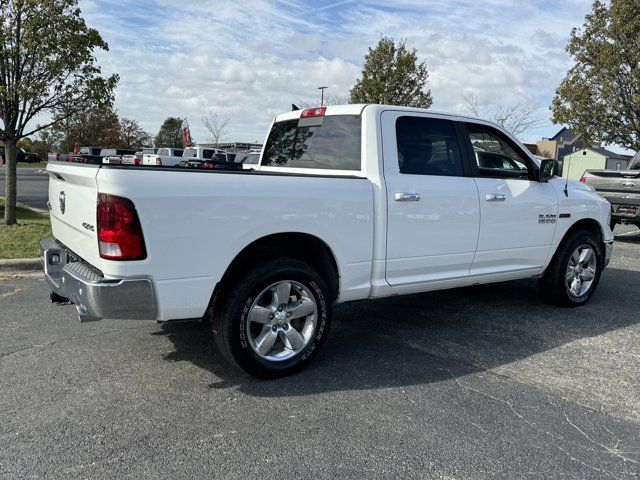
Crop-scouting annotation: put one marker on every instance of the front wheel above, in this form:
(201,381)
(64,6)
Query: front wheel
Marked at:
(272,321)
(574,272)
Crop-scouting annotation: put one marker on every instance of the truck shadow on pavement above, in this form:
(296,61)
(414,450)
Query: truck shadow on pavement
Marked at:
(631,238)
(426,338)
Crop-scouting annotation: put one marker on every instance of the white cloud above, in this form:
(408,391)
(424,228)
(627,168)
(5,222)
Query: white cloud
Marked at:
(252,59)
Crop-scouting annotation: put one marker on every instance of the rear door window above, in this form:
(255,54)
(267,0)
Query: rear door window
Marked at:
(428,146)
(331,142)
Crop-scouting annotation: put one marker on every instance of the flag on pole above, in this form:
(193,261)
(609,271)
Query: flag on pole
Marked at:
(186,134)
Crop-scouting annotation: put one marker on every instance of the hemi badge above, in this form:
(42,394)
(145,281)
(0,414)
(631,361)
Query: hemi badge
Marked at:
(565,215)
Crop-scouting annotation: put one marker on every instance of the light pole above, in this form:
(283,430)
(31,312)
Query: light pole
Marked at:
(322,89)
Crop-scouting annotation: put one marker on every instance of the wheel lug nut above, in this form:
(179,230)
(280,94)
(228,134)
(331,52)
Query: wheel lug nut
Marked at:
(285,326)
(274,328)
(288,314)
(280,308)
(271,316)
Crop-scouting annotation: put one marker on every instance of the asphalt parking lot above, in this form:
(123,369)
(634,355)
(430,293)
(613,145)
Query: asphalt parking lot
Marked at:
(482,382)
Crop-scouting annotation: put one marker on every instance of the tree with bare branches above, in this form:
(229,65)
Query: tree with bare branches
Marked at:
(332,99)
(217,126)
(47,67)
(516,119)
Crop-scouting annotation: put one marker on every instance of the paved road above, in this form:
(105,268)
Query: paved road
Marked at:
(32,186)
(483,382)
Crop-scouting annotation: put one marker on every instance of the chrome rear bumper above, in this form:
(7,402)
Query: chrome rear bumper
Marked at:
(94,296)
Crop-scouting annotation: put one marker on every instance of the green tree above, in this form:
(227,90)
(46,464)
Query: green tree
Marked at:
(97,126)
(26,144)
(47,67)
(169,135)
(392,75)
(599,97)
(131,135)
(45,141)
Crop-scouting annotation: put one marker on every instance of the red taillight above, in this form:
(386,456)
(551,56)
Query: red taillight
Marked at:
(136,160)
(158,161)
(313,112)
(57,157)
(583,179)
(208,165)
(119,231)
(121,160)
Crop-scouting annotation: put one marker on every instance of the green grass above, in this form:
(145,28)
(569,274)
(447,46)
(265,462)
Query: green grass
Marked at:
(23,239)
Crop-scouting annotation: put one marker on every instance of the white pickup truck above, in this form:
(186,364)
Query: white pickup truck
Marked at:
(163,156)
(347,203)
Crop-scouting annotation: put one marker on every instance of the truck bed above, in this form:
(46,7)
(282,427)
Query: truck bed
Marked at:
(196,221)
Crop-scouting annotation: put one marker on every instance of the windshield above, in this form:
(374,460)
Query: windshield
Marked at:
(635,162)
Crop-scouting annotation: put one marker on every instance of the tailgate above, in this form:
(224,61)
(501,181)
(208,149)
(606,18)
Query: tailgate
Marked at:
(73,195)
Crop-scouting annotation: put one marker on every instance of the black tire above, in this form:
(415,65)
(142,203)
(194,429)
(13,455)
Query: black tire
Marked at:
(229,322)
(552,283)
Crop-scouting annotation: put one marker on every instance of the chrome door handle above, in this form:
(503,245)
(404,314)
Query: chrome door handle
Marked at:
(406,197)
(495,197)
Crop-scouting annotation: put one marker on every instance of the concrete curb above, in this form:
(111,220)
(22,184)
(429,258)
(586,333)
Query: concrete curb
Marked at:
(20,265)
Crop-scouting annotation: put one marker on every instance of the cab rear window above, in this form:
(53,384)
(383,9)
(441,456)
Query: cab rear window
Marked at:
(331,142)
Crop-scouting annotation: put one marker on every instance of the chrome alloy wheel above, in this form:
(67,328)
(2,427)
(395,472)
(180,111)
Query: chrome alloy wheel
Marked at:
(282,320)
(581,270)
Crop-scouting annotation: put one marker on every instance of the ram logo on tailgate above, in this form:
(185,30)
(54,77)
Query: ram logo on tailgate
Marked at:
(61,199)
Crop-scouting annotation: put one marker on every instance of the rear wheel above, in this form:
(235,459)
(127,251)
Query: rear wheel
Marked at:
(273,320)
(574,272)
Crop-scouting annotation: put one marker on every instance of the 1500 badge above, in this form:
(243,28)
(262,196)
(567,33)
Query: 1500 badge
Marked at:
(547,218)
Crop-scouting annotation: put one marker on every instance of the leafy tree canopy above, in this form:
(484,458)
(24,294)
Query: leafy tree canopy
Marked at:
(97,126)
(169,135)
(47,67)
(600,96)
(393,75)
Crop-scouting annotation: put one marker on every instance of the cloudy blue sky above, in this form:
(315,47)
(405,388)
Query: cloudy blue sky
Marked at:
(250,59)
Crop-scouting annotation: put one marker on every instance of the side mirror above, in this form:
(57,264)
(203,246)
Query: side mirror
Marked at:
(547,169)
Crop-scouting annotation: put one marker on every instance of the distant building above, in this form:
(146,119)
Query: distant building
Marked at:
(593,158)
(562,143)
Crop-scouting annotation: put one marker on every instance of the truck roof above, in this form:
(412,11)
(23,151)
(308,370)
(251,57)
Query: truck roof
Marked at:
(357,108)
